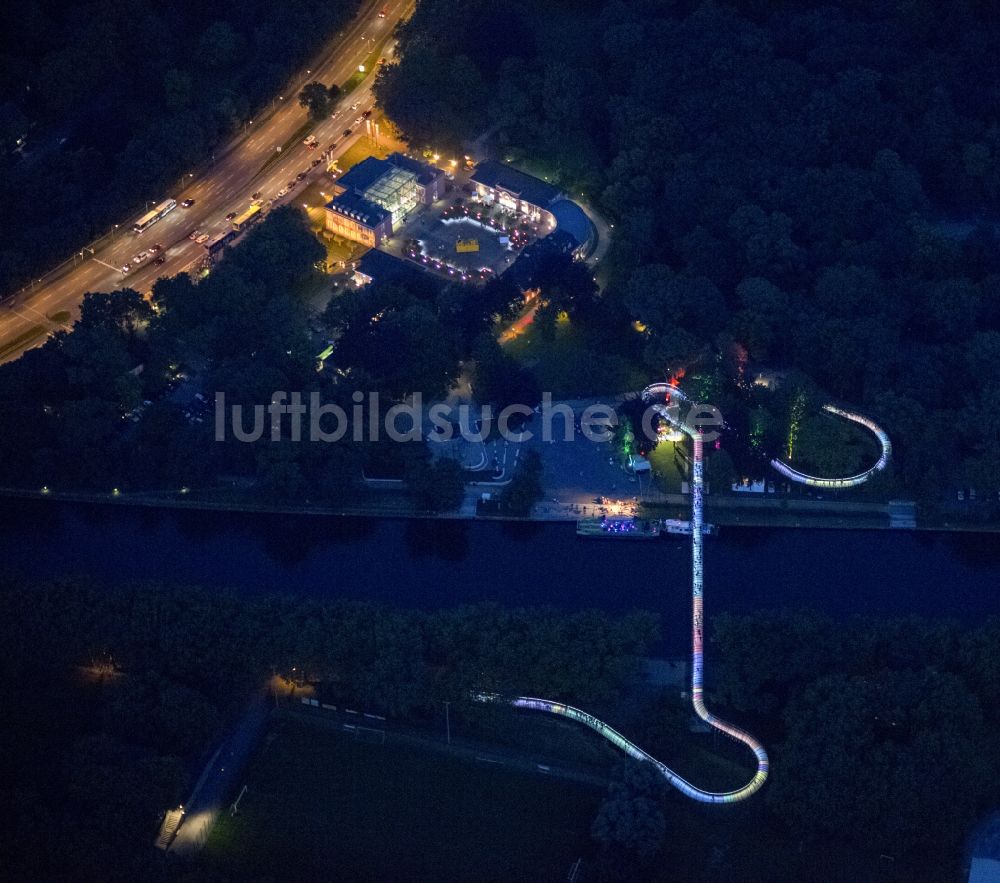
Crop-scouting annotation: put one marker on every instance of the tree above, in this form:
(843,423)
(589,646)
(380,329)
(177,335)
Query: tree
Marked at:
(317,99)
(915,737)
(545,320)
(219,45)
(525,488)
(437,485)
(500,379)
(630,820)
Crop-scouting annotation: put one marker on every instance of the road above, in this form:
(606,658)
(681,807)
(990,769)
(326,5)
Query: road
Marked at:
(27,318)
(217,784)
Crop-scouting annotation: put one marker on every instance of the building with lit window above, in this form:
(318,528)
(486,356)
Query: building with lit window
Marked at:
(514,190)
(534,199)
(358,219)
(377,196)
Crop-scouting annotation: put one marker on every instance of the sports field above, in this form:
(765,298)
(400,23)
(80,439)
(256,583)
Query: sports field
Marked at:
(321,806)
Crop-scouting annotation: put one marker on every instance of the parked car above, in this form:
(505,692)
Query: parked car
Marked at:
(282,192)
(300,176)
(230,216)
(255,195)
(367,113)
(291,185)
(315,162)
(187,203)
(160,260)
(347,132)
(194,234)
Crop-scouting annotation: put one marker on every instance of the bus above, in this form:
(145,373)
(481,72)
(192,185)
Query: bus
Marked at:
(150,218)
(250,217)
(217,245)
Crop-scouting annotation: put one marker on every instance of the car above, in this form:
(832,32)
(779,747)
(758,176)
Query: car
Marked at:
(140,257)
(230,216)
(356,105)
(255,195)
(331,146)
(384,12)
(187,203)
(126,268)
(347,132)
(282,192)
(357,122)
(194,234)
(257,201)
(315,162)
(153,249)
(367,113)
(300,176)
(381,61)
(201,240)
(160,260)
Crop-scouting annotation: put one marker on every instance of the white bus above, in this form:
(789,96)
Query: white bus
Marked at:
(150,218)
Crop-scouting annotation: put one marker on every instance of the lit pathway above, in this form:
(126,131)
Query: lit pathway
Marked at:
(659,394)
(850,481)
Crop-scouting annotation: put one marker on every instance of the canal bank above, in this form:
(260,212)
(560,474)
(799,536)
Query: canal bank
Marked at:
(812,514)
(434,563)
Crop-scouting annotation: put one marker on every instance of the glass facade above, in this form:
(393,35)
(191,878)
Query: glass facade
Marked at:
(396,191)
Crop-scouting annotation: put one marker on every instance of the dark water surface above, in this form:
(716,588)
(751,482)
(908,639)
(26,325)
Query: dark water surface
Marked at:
(432,563)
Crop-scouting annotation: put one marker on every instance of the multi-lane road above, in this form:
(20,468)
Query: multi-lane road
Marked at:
(261,159)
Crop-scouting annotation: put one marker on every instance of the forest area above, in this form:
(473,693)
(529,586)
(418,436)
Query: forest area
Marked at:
(879,730)
(115,697)
(803,187)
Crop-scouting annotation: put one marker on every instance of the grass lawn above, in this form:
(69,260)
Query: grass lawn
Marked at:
(320,806)
(666,473)
(575,364)
(361,149)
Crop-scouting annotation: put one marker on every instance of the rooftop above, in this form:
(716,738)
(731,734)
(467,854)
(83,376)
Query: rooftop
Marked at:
(361,176)
(425,173)
(370,170)
(527,187)
(570,218)
(351,205)
(382,267)
(522,271)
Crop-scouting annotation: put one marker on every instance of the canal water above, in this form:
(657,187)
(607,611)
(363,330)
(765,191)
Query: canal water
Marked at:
(441,562)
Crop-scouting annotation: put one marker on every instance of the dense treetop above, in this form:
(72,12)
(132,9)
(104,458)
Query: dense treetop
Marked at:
(806,185)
